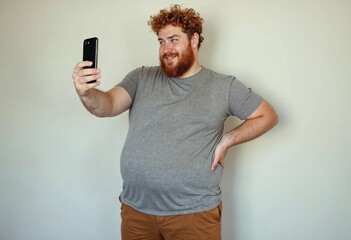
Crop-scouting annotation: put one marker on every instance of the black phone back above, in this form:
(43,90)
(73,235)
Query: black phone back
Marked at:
(90,51)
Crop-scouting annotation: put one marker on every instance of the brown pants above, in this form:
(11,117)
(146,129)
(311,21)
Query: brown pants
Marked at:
(197,226)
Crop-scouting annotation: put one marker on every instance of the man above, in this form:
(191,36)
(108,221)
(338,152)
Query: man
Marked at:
(173,157)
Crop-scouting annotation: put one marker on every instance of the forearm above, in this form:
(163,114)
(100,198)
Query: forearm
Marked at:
(261,121)
(250,129)
(247,131)
(97,102)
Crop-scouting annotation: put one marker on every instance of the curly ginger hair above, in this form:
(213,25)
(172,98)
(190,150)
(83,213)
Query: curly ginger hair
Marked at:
(189,20)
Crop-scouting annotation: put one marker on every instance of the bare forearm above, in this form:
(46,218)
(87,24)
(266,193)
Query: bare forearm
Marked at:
(253,127)
(264,119)
(247,131)
(97,102)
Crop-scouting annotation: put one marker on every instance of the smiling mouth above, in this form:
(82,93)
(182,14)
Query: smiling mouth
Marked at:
(169,57)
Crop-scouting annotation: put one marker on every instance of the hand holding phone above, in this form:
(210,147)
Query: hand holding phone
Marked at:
(90,52)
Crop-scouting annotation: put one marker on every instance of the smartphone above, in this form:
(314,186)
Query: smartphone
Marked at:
(90,52)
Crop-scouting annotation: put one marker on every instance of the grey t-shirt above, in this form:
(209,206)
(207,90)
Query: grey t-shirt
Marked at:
(174,127)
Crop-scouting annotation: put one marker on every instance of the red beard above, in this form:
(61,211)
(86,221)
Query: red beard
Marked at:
(184,64)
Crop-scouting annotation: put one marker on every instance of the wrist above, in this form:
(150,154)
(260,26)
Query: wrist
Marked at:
(85,93)
(225,141)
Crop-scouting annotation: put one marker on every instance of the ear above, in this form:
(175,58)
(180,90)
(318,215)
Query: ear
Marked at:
(195,40)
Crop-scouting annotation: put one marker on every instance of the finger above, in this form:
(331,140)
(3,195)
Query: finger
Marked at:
(88,71)
(214,165)
(85,72)
(84,64)
(91,85)
(78,66)
(86,79)
(218,160)
(221,163)
(95,84)
(79,82)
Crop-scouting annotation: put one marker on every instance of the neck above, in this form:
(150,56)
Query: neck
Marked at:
(195,68)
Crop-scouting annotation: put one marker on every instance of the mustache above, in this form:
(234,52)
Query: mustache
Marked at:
(174,54)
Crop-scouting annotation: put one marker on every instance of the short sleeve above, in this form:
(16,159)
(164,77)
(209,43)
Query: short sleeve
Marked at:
(242,100)
(130,82)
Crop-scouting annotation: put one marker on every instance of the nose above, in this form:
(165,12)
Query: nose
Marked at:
(167,47)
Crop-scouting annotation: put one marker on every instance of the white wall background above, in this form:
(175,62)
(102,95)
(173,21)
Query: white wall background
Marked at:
(59,173)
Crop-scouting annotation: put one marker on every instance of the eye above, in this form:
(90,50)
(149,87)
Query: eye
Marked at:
(174,40)
(161,42)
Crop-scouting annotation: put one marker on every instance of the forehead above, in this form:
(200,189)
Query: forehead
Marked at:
(169,31)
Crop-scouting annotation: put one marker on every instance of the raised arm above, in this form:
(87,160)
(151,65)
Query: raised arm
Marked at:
(259,122)
(99,103)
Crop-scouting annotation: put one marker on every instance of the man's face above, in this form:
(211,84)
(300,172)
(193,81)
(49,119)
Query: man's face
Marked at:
(176,54)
